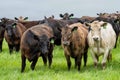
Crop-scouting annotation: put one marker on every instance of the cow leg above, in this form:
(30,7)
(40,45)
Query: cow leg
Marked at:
(50,56)
(1,46)
(116,41)
(94,58)
(17,47)
(97,57)
(105,58)
(23,63)
(10,48)
(79,58)
(75,62)
(85,58)
(34,62)
(109,56)
(44,59)
(50,59)
(68,61)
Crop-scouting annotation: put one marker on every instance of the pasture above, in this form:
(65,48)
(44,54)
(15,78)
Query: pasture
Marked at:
(10,67)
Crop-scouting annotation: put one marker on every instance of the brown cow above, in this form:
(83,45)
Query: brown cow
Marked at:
(13,33)
(35,42)
(74,43)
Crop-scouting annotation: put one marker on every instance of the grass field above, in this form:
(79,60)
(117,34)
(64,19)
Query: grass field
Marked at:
(10,67)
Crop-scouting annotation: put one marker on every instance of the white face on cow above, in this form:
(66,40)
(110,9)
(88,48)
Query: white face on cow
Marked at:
(95,29)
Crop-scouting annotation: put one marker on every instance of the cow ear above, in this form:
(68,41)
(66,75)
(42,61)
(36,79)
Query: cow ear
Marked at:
(117,21)
(87,24)
(98,14)
(14,25)
(33,35)
(16,18)
(74,29)
(52,16)
(45,17)
(26,18)
(52,40)
(59,29)
(71,15)
(104,25)
(61,15)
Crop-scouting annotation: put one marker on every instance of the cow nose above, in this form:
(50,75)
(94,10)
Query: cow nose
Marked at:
(95,38)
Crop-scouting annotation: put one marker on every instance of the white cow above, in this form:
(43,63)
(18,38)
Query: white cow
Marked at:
(101,39)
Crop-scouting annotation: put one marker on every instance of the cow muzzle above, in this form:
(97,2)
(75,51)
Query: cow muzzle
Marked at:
(44,51)
(96,38)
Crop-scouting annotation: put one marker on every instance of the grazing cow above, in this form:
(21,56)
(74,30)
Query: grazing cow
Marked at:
(2,30)
(35,42)
(66,16)
(21,19)
(74,43)
(13,33)
(101,40)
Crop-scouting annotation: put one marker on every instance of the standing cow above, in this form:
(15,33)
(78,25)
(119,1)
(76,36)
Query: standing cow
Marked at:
(74,43)
(13,33)
(101,39)
(35,42)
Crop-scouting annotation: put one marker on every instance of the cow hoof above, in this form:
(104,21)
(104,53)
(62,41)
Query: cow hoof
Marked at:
(95,64)
(103,66)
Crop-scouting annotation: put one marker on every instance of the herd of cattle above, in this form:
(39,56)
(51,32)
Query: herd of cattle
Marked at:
(76,35)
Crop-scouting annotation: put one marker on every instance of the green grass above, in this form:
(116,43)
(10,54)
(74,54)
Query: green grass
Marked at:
(10,67)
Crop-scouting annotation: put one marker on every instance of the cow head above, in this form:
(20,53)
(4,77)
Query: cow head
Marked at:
(66,16)
(43,42)
(9,28)
(95,29)
(21,18)
(67,33)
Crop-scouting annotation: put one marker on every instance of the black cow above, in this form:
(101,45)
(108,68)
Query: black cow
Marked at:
(13,33)
(35,42)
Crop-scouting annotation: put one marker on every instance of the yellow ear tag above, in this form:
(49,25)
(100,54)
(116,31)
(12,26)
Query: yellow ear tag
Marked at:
(14,26)
(104,27)
(117,22)
(52,41)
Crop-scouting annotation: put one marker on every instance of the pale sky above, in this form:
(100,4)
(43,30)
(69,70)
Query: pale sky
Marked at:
(37,9)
